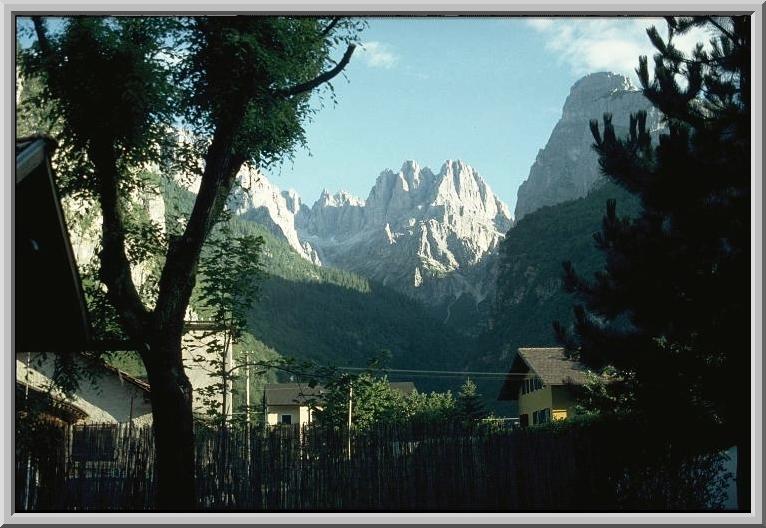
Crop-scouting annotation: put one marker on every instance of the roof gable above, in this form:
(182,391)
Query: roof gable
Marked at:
(50,311)
(550,364)
(291,393)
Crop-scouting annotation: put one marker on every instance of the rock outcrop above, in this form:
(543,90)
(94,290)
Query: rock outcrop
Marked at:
(257,199)
(567,168)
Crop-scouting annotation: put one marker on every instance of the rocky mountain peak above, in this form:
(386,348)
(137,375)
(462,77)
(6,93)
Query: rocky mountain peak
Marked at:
(461,179)
(339,199)
(292,201)
(599,83)
(420,232)
(567,167)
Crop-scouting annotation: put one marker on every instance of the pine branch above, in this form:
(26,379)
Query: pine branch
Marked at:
(720,28)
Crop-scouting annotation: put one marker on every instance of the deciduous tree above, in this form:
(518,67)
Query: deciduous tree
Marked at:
(237,88)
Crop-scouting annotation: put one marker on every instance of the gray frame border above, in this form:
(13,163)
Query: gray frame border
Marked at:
(381,7)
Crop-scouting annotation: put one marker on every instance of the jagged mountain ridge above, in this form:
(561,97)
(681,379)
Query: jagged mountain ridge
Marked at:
(423,233)
(258,200)
(567,167)
(434,235)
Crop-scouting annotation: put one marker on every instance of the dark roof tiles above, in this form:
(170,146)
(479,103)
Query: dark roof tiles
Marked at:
(553,367)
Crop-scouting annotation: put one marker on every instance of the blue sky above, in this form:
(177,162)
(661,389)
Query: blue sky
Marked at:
(485,90)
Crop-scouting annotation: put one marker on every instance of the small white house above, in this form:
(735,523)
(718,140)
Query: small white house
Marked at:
(290,403)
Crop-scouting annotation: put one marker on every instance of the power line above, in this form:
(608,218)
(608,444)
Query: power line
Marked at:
(441,372)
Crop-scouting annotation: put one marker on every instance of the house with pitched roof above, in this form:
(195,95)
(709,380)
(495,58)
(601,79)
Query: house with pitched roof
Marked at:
(544,382)
(290,403)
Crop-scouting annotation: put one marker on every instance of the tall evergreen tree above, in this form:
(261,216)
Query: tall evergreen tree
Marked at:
(469,406)
(671,309)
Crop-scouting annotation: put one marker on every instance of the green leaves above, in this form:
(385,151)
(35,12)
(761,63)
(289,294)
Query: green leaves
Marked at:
(229,283)
(230,269)
(102,80)
(237,65)
(374,402)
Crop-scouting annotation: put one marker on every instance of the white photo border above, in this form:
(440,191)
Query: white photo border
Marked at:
(10,9)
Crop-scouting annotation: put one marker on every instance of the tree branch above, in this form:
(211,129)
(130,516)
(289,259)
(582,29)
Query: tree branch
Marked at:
(330,26)
(221,167)
(720,28)
(320,79)
(42,36)
(115,268)
(179,274)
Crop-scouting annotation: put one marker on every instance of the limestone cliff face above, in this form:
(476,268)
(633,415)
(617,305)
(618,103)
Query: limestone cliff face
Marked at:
(84,224)
(257,199)
(567,167)
(421,232)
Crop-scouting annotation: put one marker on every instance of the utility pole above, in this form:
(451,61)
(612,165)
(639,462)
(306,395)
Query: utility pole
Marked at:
(228,385)
(350,397)
(247,409)
(247,390)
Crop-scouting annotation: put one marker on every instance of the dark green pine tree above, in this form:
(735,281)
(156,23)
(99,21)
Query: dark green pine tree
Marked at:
(671,309)
(469,405)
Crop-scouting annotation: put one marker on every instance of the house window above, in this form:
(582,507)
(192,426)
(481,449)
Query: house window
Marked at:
(528,386)
(287,419)
(542,416)
(531,385)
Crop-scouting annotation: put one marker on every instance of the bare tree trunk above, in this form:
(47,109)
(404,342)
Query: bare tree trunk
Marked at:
(171,395)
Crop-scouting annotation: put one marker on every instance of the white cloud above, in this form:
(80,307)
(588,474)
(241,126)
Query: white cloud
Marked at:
(540,24)
(378,55)
(611,44)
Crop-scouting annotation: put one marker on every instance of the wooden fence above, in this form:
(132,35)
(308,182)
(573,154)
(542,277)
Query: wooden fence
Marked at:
(390,468)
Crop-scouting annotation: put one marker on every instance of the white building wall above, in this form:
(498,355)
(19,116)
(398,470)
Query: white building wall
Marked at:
(196,354)
(108,399)
(274,414)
